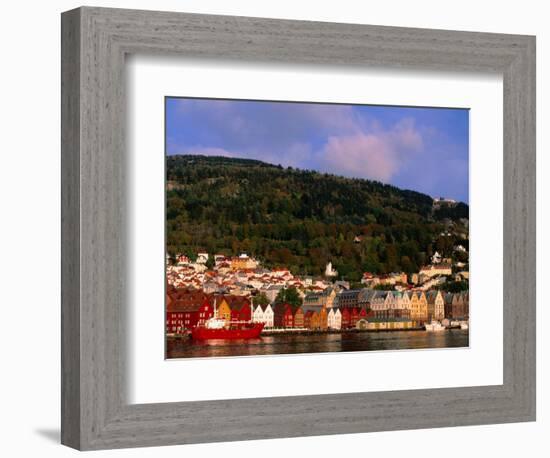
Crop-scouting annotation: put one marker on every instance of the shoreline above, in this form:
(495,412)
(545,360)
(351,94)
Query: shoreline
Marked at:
(275,332)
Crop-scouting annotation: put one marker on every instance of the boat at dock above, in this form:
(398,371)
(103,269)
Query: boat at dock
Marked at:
(231,331)
(219,328)
(434,326)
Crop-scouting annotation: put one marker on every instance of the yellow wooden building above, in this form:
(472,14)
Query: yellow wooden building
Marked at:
(224,311)
(419,306)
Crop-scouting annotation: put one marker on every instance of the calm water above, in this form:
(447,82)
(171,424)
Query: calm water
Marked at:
(318,343)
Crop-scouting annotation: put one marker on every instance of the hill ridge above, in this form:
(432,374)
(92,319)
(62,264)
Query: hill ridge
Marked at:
(301,218)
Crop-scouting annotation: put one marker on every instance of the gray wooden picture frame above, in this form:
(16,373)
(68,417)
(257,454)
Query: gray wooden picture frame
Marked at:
(95,411)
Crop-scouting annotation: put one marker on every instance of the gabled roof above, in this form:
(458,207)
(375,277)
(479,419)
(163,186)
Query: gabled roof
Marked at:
(367,294)
(187,296)
(431,295)
(380,295)
(234,302)
(182,307)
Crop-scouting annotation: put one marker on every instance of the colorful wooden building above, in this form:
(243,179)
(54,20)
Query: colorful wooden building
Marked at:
(185,308)
(283,316)
(298,317)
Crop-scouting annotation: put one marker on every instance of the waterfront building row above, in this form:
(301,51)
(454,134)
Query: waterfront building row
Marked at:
(186,309)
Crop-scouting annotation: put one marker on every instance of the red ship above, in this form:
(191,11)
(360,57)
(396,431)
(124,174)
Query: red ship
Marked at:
(218,328)
(234,330)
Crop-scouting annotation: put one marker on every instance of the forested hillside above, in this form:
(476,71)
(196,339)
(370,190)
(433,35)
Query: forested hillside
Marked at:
(301,219)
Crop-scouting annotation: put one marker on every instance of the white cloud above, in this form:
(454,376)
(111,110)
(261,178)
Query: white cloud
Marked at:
(377,155)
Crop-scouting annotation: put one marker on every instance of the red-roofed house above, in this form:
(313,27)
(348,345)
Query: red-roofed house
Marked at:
(184,313)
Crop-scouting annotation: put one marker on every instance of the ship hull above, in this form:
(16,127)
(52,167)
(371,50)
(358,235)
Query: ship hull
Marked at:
(249,332)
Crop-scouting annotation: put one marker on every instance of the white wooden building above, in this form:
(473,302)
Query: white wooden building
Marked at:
(334,318)
(263,314)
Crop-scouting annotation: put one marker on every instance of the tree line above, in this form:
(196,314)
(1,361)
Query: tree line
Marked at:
(300,219)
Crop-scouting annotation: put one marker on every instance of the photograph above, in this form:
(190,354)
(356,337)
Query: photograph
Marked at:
(299,227)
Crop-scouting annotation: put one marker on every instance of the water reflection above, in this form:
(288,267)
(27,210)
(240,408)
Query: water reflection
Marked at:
(318,343)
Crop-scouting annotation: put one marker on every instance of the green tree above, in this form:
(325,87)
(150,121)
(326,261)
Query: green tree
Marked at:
(210,262)
(455,286)
(289,296)
(261,299)
(391,258)
(407,265)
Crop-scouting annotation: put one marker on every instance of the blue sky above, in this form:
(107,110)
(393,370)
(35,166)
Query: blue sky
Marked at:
(424,149)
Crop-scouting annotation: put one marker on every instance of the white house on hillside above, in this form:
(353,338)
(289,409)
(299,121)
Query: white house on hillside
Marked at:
(435,270)
(202,258)
(329,271)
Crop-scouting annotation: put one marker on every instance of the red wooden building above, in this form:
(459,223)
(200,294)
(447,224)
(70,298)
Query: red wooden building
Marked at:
(185,309)
(283,316)
(240,308)
(354,316)
(346,317)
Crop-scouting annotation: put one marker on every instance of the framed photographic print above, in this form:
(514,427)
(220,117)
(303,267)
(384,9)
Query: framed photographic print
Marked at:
(284,236)
(351,205)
